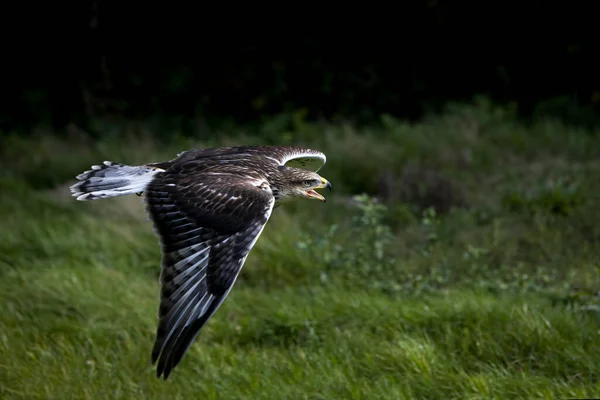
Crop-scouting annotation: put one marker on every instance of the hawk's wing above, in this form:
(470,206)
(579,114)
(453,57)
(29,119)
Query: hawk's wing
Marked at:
(292,156)
(207,224)
(298,157)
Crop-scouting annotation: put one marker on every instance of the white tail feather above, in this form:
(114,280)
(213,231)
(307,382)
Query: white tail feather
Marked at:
(112,179)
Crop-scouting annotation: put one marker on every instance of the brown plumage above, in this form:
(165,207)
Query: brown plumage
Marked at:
(209,207)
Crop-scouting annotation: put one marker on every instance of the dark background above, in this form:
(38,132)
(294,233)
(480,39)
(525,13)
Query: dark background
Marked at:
(93,59)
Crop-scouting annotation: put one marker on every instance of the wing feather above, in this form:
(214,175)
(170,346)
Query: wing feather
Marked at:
(207,225)
(293,156)
(311,160)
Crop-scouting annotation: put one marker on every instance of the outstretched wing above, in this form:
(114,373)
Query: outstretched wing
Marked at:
(207,225)
(292,156)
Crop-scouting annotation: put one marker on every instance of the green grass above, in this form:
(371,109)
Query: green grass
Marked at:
(490,294)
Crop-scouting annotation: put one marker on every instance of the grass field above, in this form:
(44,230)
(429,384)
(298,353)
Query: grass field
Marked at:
(491,294)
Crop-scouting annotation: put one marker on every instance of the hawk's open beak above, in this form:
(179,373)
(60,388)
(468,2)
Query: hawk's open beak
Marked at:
(324,184)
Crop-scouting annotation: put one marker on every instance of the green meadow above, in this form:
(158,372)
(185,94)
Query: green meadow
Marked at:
(457,257)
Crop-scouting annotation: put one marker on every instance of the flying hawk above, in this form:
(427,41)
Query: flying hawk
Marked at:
(208,208)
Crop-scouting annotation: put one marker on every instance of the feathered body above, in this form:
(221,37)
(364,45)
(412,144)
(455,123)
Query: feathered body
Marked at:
(209,207)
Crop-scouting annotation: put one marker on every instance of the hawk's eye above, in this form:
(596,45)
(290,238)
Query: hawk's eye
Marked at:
(307,183)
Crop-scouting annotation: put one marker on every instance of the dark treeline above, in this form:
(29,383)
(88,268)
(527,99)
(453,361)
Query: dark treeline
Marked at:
(96,59)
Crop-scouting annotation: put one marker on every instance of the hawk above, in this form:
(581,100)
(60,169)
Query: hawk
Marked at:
(208,208)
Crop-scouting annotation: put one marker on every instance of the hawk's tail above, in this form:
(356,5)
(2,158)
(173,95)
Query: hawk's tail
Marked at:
(112,179)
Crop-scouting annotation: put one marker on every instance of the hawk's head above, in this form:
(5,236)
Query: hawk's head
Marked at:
(290,183)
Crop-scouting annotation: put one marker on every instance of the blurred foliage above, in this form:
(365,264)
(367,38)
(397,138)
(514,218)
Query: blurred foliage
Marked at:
(406,70)
(556,197)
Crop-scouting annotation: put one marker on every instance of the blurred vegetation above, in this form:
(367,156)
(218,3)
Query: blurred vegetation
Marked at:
(456,258)
(104,62)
